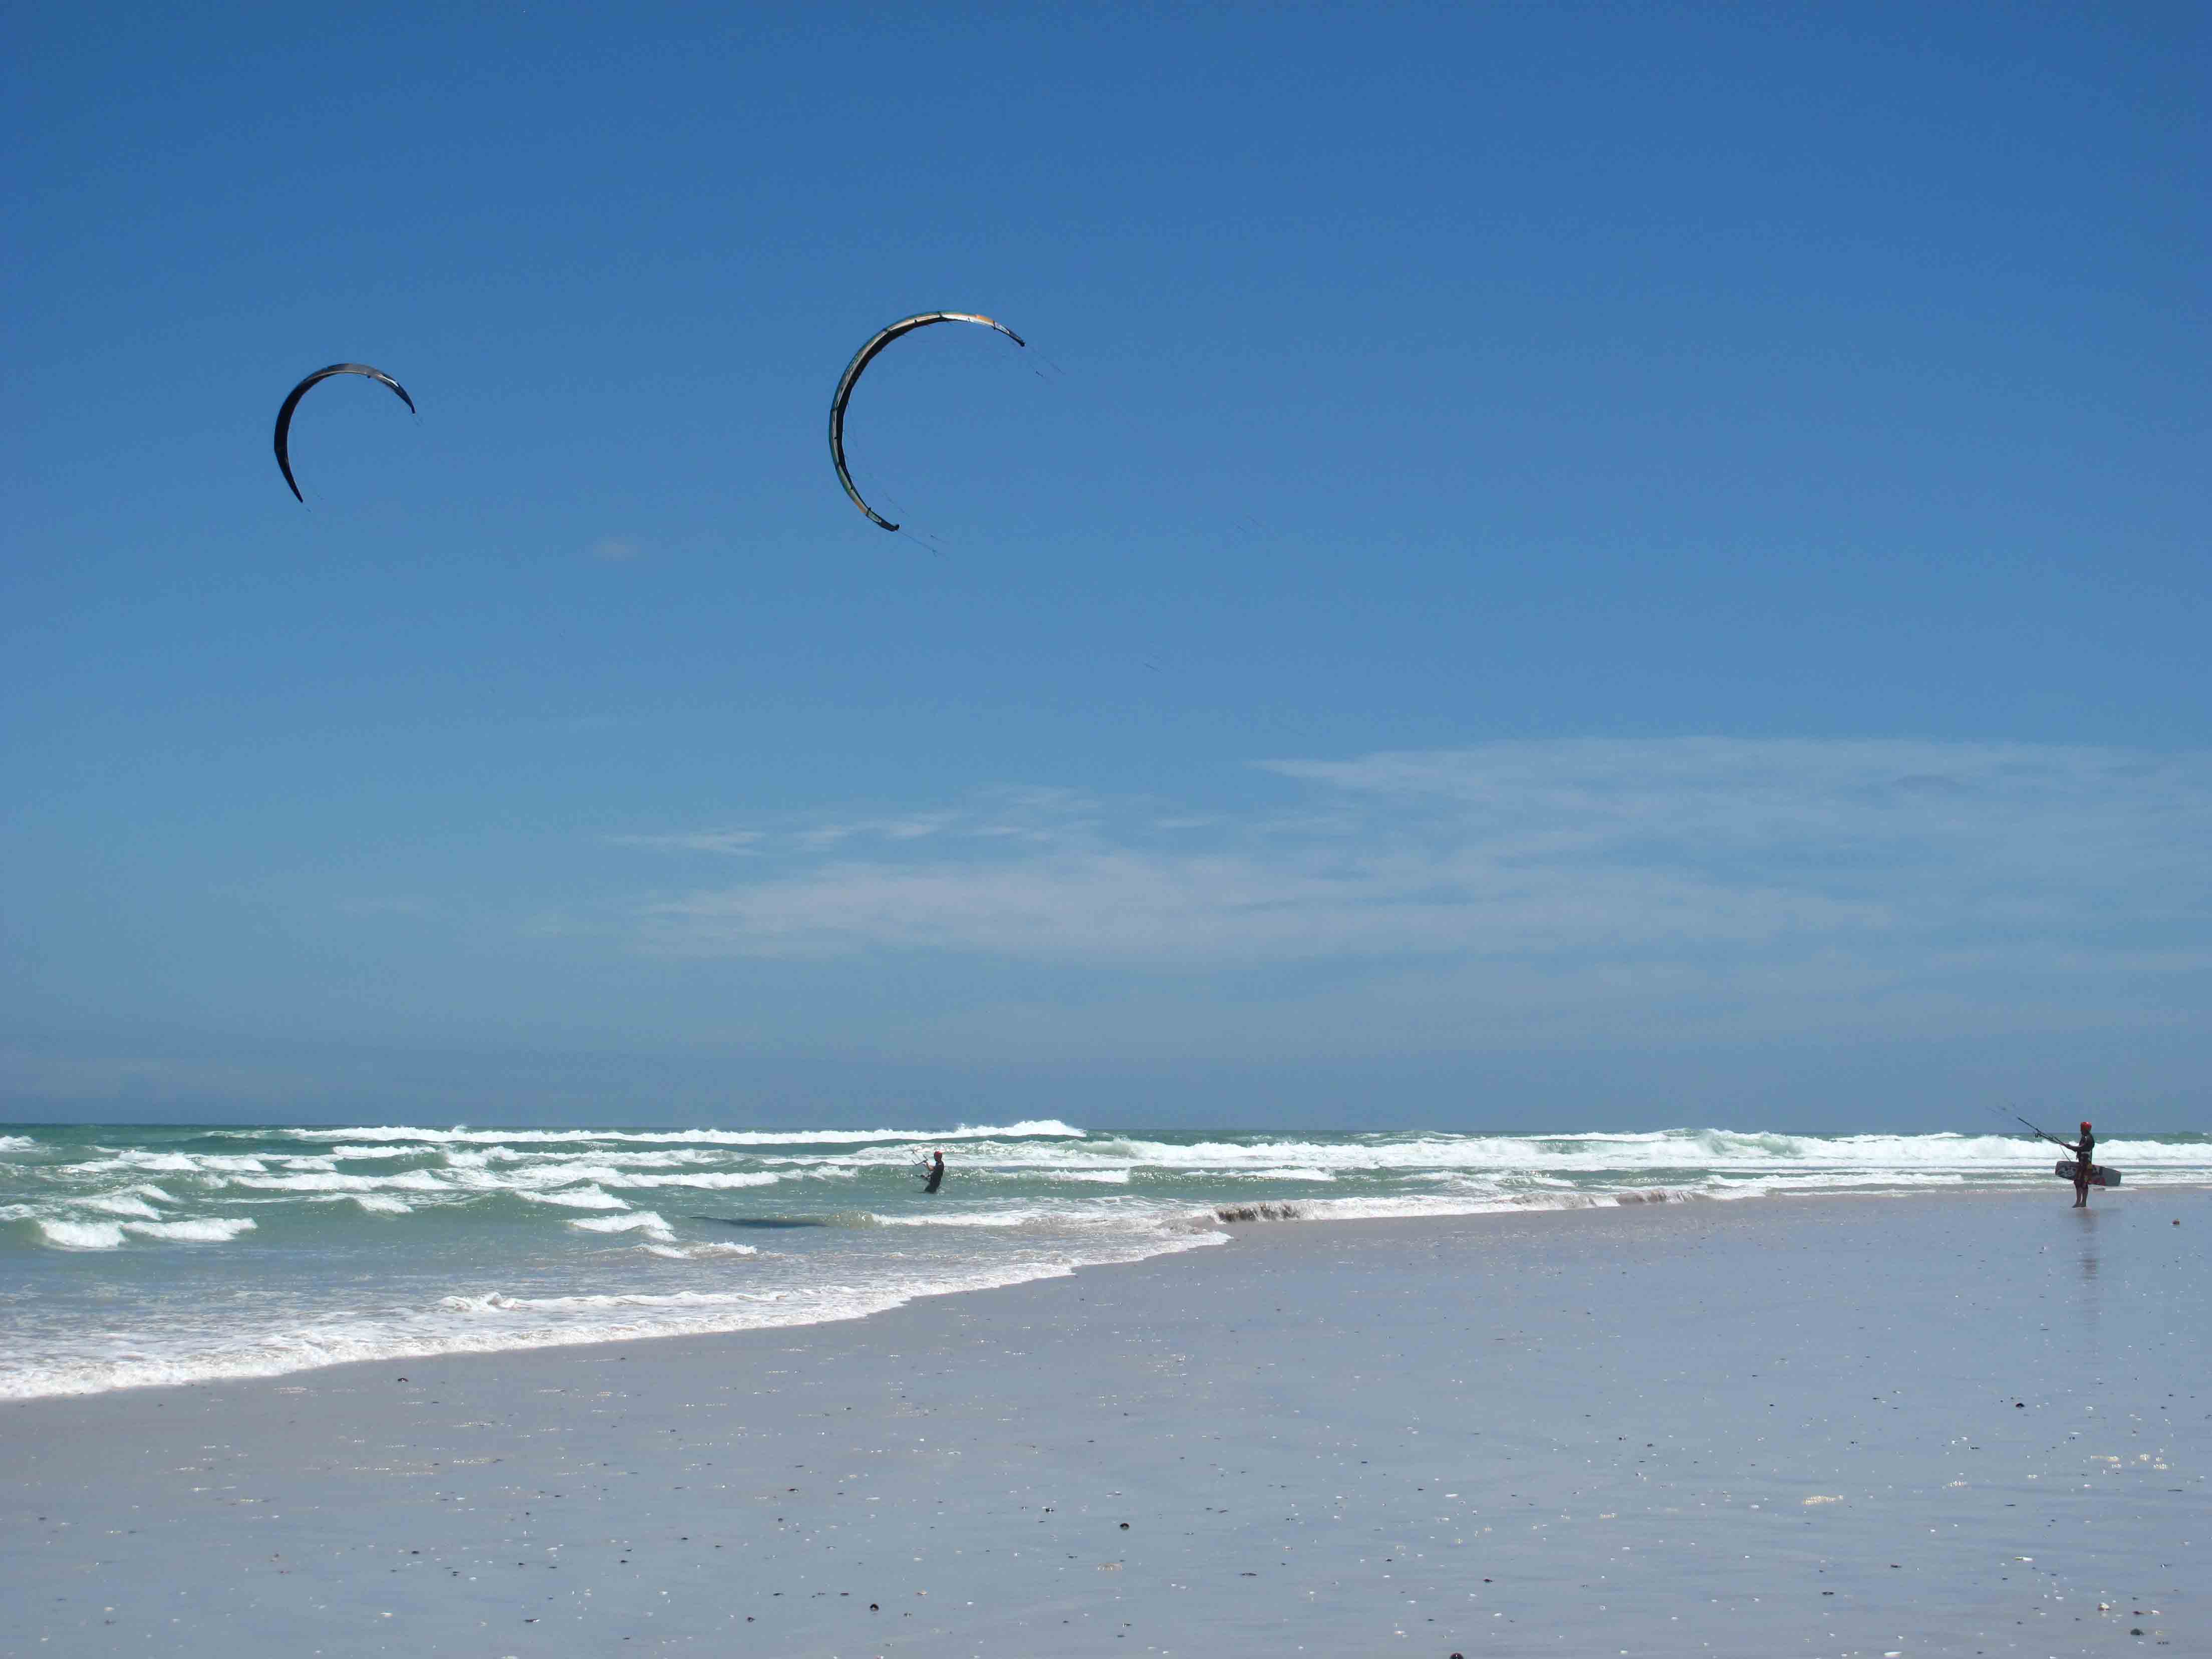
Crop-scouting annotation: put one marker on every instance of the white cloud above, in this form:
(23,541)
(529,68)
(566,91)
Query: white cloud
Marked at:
(1145,909)
(1719,853)
(727,842)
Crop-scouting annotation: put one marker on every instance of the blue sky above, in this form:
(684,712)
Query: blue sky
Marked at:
(1565,565)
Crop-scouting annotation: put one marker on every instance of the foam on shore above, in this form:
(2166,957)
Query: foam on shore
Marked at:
(828,1220)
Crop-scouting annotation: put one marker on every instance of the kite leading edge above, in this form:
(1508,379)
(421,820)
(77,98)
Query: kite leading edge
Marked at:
(861,359)
(284,414)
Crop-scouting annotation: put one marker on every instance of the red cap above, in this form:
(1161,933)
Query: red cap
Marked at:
(2085,1123)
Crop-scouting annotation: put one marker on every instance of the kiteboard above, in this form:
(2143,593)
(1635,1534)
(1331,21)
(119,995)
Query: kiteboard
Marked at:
(2100,1176)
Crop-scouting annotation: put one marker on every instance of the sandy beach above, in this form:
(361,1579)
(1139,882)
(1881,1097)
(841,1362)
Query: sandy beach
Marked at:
(1953,1425)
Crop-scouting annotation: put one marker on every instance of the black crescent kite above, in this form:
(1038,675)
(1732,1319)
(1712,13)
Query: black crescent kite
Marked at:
(284,414)
(861,359)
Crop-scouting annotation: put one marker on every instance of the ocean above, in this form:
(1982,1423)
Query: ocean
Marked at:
(138,1255)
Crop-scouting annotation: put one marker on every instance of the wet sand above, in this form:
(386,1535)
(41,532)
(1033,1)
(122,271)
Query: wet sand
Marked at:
(1942,1424)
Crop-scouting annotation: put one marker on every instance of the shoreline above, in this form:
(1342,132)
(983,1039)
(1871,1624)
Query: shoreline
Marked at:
(1207,1227)
(1666,1428)
(203,1252)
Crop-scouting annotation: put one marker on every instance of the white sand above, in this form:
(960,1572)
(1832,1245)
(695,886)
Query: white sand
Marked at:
(1769,1427)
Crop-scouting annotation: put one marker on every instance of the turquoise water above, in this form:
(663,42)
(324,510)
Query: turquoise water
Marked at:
(134,1255)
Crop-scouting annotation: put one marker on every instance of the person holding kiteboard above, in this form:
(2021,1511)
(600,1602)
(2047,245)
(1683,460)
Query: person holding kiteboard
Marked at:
(2082,1150)
(935,1168)
(2080,1169)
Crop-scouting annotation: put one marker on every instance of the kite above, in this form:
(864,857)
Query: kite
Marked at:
(861,359)
(284,414)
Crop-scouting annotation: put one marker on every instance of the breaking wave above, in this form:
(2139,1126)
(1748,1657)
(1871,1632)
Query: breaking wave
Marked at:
(401,1133)
(381,1241)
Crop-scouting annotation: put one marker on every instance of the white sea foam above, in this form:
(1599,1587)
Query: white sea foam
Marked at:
(1594,1153)
(629,1157)
(497,1302)
(1273,1172)
(635,1221)
(1018,1204)
(124,1204)
(1073,1213)
(81,1235)
(566,1171)
(400,1132)
(412,1181)
(578,1198)
(467,1325)
(167,1162)
(179,1163)
(206,1230)
(17,1143)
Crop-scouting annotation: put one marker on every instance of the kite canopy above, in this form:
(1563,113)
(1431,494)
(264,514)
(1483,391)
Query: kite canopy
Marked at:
(861,359)
(284,414)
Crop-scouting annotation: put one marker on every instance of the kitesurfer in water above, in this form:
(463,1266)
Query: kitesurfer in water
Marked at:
(936,1171)
(2081,1148)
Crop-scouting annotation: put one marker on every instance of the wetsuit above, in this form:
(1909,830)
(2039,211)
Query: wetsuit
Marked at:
(2086,1144)
(936,1174)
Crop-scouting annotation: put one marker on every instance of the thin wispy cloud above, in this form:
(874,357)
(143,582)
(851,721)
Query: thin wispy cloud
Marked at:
(1723,856)
(726,842)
